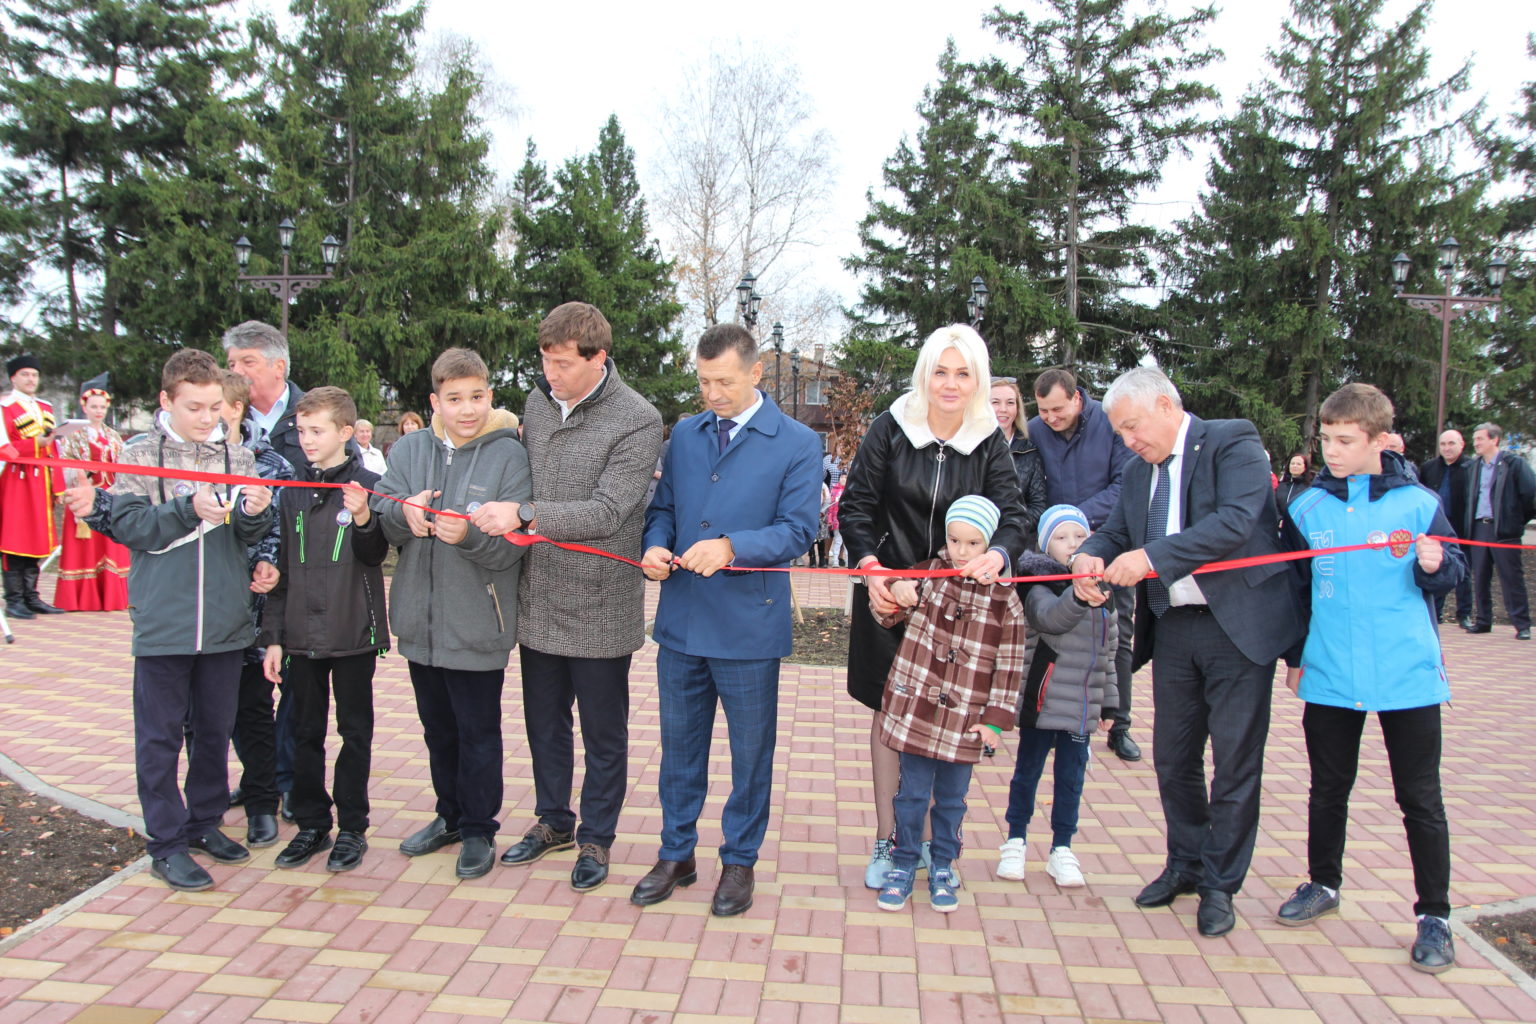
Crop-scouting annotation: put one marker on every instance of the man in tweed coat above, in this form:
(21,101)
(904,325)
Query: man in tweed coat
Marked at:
(592,444)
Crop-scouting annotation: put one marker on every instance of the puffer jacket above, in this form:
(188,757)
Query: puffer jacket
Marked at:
(329,599)
(1371,643)
(455,605)
(1069,674)
(959,664)
(189,584)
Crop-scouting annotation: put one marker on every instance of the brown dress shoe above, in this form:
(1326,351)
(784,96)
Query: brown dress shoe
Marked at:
(662,879)
(734,893)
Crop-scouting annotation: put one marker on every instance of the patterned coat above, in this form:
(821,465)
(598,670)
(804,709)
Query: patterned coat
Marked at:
(960,662)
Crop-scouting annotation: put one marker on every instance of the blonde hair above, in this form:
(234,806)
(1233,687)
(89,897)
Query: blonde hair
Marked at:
(968,343)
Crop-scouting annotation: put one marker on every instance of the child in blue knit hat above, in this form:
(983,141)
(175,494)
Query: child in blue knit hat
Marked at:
(1069,682)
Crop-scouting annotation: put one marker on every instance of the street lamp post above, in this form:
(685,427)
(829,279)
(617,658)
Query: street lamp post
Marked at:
(287,286)
(794,379)
(1446,306)
(976,304)
(747,300)
(778,352)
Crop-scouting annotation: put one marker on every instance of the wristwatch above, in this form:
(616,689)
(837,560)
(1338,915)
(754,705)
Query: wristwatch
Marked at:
(527,513)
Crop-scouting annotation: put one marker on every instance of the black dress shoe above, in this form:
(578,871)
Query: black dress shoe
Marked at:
(591,868)
(434,837)
(1124,747)
(18,610)
(1165,888)
(658,884)
(734,893)
(1465,622)
(180,871)
(260,830)
(1523,634)
(236,797)
(1215,916)
(220,847)
(477,855)
(348,854)
(538,841)
(287,807)
(42,607)
(303,846)
(1478,629)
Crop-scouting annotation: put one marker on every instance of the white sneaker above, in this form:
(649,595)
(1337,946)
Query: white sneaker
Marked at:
(1010,863)
(1063,867)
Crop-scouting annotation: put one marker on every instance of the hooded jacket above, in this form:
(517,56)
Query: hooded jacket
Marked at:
(329,599)
(958,665)
(1069,658)
(1370,641)
(455,605)
(1085,469)
(189,584)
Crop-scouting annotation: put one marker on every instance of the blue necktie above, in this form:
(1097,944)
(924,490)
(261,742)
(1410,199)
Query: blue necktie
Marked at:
(1157,528)
(725,427)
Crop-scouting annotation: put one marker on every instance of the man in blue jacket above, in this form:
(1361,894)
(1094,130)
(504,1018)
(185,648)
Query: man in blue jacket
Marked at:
(740,486)
(1084,461)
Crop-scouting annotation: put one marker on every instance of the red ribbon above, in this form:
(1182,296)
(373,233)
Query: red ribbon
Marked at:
(9,454)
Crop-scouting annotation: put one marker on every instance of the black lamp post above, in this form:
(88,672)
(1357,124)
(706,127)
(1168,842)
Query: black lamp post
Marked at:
(778,352)
(1446,306)
(747,300)
(976,304)
(794,379)
(287,286)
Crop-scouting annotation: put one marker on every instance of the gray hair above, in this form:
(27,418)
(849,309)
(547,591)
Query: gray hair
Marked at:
(362,424)
(1142,385)
(1493,430)
(258,335)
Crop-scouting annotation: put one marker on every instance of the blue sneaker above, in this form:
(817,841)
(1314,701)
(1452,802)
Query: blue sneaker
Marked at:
(1309,902)
(1433,949)
(880,863)
(896,890)
(941,889)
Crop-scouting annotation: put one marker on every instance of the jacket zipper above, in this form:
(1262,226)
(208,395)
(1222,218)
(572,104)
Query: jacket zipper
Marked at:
(336,551)
(299,527)
(501,624)
(933,499)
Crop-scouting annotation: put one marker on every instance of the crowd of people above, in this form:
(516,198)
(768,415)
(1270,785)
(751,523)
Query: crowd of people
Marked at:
(240,588)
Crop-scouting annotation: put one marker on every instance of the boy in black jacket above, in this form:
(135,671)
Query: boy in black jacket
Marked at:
(327,614)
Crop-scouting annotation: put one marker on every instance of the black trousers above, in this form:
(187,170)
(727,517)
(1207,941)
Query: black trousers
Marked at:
(460,715)
(599,687)
(1485,562)
(311,681)
(173,695)
(255,741)
(1413,751)
(1204,688)
(1125,617)
(1464,606)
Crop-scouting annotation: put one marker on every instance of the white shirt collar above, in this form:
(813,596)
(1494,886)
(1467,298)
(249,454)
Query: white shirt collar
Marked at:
(746,414)
(565,407)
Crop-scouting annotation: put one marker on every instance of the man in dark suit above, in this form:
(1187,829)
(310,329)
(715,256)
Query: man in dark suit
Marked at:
(740,485)
(1199,493)
(1446,475)
(1501,499)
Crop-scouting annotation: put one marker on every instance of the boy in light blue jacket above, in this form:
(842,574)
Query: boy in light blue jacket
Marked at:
(1372,645)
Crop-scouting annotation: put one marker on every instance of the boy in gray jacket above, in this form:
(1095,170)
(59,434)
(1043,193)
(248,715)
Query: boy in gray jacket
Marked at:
(1069,683)
(189,589)
(453,602)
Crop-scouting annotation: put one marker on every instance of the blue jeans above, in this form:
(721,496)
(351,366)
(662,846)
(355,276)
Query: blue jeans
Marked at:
(690,687)
(1029,764)
(925,780)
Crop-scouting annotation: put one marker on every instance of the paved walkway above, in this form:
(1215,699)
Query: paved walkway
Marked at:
(402,940)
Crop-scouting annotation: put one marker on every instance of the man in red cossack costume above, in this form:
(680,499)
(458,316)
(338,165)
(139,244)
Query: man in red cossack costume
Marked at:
(27,534)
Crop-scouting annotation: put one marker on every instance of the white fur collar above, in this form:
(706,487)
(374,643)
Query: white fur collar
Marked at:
(975,429)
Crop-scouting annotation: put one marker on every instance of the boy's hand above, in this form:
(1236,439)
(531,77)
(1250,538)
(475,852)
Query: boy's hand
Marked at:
(81,499)
(1096,596)
(415,517)
(264,578)
(1293,680)
(451,529)
(497,518)
(1105,724)
(1088,585)
(207,506)
(988,737)
(254,500)
(905,593)
(984,568)
(355,500)
(656,563)
(1431,553)
(272,664)
(708,557)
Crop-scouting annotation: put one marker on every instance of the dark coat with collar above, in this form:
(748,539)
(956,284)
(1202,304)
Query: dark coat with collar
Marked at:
(1432,472)
(764,493)
(1228,511)
(1514,496)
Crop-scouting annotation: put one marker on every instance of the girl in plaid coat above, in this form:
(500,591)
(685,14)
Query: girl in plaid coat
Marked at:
(955,678)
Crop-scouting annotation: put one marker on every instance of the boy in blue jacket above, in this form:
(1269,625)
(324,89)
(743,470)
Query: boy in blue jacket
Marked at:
(1372,645)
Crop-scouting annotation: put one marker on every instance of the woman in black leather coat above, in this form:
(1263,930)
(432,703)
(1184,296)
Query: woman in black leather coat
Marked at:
(936,443)
(1008,406)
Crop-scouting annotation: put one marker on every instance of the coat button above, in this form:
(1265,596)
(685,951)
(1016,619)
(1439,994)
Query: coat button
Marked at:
(704,525)
(769,601)
(714,478)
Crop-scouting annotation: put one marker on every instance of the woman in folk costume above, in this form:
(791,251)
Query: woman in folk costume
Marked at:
(26,492)
(93,570)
